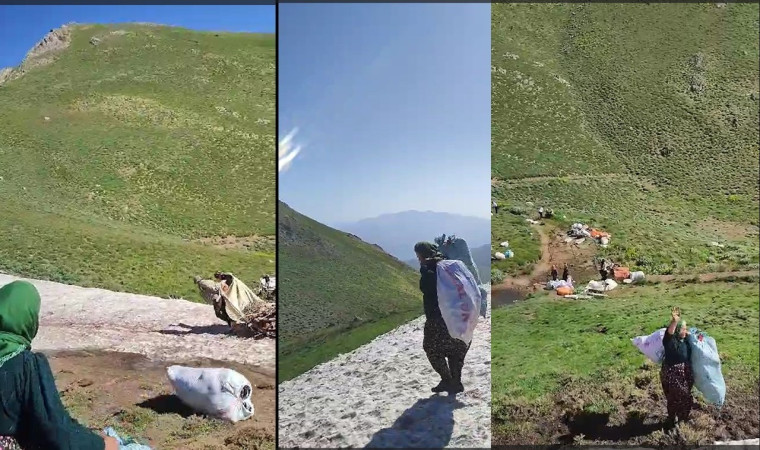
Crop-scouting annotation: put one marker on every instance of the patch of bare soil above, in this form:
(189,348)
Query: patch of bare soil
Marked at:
(732,231)
(629,412)
(132,394)
(554,251)
(240,242)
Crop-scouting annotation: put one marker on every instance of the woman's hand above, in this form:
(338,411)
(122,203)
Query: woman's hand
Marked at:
(675,313)
(111,443)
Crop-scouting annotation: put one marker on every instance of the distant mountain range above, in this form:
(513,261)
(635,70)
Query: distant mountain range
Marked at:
(482,257)
(397,233)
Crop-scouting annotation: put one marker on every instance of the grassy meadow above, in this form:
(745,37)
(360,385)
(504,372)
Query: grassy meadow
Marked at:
(639,119)
(336,293)
(138,156)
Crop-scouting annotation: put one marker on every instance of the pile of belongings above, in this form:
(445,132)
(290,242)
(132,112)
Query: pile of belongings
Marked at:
(580,231)
(456,248)
(601,286)
(260,321)
(562,287)
(508,253)
(705,361)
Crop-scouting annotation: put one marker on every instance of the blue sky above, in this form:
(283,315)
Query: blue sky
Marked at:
(22,26)
(392,105)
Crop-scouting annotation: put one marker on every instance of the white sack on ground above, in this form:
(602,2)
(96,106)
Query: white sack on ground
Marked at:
(221,393)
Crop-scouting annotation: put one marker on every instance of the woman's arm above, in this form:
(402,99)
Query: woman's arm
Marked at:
(675,316)
(53,425)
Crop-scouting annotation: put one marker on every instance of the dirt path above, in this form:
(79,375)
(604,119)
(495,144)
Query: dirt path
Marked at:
(379,396)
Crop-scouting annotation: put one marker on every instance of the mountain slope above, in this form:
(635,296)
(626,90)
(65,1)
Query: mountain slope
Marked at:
(627,118)
(134,156)
(336,292)
(397,233)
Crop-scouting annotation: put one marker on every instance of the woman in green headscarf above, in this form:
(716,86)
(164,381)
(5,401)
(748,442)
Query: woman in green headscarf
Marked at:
(438,344)
(676,375)
(31,413)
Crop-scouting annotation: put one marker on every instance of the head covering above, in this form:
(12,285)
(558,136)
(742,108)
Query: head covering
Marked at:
(426,249)
(19,318)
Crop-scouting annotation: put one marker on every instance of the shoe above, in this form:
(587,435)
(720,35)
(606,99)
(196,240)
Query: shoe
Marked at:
(456,388)
(443,386)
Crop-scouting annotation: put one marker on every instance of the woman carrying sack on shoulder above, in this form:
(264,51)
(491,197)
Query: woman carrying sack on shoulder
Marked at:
(31,413)
(676,375)
(437,342)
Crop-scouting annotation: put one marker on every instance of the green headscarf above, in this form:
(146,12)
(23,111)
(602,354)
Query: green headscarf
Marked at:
(19,318)
(426,249)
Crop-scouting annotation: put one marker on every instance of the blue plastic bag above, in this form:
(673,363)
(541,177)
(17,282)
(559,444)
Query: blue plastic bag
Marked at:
(124,442)
(705,365)
(455,248)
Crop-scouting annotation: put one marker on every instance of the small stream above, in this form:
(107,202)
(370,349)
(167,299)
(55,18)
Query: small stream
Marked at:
(503,296)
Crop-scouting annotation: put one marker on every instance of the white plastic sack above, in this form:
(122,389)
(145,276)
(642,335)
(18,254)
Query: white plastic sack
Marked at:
(637,277)
(705,364)
(222,393)
(610,284)
(651,346)
(595,286)
(505,244)
(458,298)
(499,255)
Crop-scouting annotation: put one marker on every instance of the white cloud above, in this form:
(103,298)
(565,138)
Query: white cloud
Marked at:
(287,151)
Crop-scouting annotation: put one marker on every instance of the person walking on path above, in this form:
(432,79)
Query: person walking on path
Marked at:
(32,415)
(495,207)
(566,273)
(437,343)
(676,375)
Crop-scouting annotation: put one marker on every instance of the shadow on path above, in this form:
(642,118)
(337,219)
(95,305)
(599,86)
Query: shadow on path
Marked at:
(203,329)
(429,423)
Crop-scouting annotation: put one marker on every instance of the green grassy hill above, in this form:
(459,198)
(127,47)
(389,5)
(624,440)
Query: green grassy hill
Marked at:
(134,156)
(336,293)
(641,119)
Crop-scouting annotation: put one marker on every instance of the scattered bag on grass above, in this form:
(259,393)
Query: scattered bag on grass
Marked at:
(505,244)
(651,346)
(621,273)
(125,443)
(637,277)
(565,290)
(459,299)
(499,256)
(705,364)
(221,393)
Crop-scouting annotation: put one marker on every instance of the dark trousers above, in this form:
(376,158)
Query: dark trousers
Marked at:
(440,346)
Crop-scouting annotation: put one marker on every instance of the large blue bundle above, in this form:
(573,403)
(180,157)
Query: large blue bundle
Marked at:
(455,248)
(705,364)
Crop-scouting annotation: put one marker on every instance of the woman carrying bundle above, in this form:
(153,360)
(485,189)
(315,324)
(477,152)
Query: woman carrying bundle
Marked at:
(437,342)
(676,374)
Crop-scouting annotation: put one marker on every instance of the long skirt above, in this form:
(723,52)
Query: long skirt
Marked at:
(677,381)
(8,443)
(440,346)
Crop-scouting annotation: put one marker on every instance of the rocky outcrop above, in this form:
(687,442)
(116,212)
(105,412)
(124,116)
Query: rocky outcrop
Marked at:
(44,52)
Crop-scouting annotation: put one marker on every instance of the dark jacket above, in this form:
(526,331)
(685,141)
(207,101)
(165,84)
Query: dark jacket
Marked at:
(429,288)
(677,350)
(31,410)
